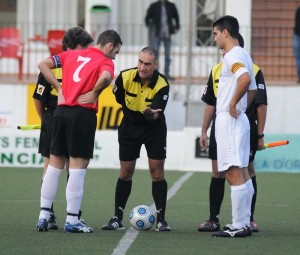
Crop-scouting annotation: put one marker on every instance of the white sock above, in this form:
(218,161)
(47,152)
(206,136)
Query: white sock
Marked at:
(44,215)
(48,190)
(250,193)
(74,193)
(238,203)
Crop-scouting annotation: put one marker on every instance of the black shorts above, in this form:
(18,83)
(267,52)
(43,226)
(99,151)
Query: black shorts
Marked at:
(45,134)
(212,147)
(132,136)
(253,141)
(212,152)
(73,133)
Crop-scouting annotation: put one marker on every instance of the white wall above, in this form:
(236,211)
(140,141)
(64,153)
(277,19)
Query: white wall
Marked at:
(282,117)
(283,110)
(242,11)
(38,16)
(20,147)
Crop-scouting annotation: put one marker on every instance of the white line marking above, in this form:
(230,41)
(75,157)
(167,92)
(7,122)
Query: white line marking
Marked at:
(132,234)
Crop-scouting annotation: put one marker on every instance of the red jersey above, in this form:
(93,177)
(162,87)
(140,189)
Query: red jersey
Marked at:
(81,70)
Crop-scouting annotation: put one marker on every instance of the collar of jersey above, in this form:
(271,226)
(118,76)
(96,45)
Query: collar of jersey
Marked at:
(153,81)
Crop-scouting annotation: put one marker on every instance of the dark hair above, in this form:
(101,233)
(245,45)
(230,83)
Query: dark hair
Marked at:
(229,23)
(151,51)
(76,36)
(241,40)
(109,36)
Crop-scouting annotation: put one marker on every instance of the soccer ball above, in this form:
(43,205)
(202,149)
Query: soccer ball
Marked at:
(142,217)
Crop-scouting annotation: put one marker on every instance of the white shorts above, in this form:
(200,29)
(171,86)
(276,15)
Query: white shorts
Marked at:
(233,141)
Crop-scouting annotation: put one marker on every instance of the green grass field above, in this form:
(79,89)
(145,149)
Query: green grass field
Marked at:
(277,213)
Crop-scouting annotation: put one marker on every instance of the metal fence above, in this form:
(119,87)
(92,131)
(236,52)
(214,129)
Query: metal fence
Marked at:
(193,51)
(189,55)
(193,56)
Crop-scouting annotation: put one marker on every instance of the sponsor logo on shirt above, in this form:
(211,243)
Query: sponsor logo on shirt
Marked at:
(40,89)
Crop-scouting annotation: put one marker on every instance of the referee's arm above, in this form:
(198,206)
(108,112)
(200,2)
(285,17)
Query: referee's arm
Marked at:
(119,90)
(160,99)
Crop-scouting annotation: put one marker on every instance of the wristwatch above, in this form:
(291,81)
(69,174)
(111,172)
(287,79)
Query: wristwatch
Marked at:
(259,136)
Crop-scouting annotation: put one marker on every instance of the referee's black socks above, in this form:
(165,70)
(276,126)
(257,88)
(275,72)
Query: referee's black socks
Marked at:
(253,198)
(216,195)
(123,190)
(159,193)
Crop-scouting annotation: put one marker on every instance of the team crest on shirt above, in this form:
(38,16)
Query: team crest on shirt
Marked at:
(165,97)
(40,89)
(261,86)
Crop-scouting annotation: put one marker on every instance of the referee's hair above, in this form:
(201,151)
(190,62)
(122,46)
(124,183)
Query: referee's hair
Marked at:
(152,51)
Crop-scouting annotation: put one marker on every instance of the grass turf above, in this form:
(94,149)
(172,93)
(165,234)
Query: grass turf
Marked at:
(277,213)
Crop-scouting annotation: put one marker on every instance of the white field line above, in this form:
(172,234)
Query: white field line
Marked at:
(132,234)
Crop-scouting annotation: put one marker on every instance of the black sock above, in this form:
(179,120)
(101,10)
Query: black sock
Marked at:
(253,202)
(216,195)
(159,194)
(123,190)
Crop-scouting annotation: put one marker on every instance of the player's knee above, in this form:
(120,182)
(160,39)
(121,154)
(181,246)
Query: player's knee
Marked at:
(219,175)
(126,174)
(157,174)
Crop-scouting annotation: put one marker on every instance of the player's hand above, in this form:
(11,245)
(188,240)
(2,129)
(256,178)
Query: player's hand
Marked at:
(88,98)
(233,111)
(260,144)
(60,97)
(203,142)
(151,114)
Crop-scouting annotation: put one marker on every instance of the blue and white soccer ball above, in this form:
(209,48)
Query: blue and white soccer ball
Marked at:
(142,217)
